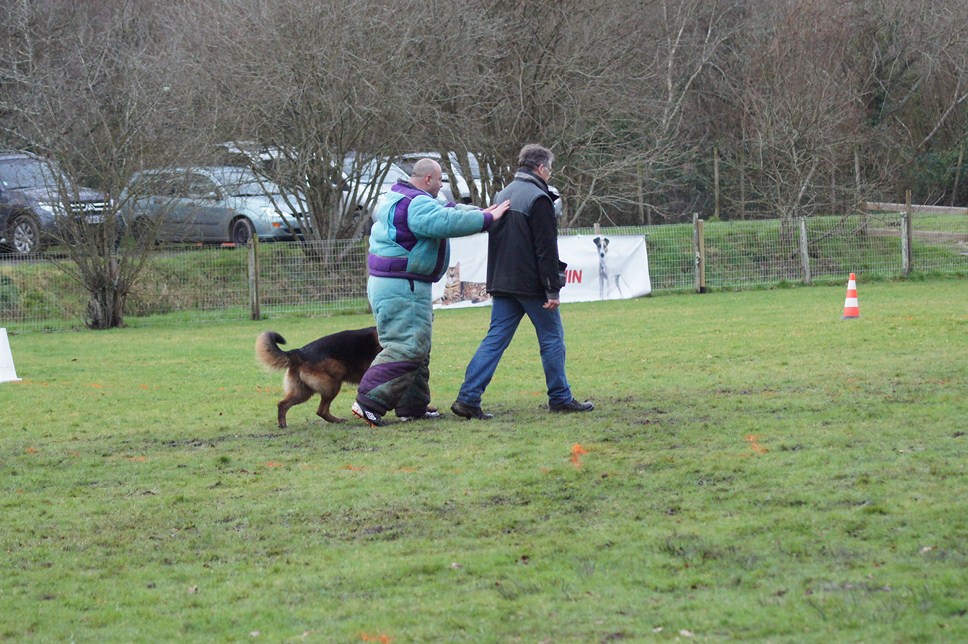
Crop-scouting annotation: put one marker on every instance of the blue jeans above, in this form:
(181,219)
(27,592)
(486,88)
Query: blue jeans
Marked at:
(506,313)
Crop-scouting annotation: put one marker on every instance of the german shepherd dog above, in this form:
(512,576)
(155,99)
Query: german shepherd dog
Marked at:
(322,366)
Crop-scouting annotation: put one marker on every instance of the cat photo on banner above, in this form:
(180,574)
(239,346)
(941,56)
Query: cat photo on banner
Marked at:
(456,290)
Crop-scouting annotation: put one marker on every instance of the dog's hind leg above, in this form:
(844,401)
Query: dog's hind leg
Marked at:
(296,394)
(326,396)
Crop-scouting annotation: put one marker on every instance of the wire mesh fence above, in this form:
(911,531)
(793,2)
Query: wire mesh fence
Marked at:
(316,279)
(311,279)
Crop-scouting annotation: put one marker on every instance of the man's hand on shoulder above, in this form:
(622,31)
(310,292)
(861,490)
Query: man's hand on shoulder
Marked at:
(497,210)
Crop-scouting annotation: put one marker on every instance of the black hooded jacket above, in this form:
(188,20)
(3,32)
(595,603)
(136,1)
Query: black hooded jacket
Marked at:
(522,249)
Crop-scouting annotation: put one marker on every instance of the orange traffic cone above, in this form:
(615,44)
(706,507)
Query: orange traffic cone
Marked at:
(851,306)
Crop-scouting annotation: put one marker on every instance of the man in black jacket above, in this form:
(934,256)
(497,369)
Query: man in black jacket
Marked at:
(524,277)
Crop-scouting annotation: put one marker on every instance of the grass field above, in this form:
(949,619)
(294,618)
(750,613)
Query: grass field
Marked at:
(756,469)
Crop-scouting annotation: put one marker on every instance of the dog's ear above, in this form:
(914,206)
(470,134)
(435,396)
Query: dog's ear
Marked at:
(598,241)
(606,242)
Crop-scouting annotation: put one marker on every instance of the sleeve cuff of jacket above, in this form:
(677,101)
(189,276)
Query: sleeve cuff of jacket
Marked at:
(488,220)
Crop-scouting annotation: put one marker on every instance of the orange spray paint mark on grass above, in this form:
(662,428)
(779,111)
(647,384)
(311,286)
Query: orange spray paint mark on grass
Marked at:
(576,453)
(756,447)
(273,464)
(352,468)
(382,638)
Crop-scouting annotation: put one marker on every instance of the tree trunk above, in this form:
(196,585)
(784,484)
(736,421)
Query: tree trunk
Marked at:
(105,308)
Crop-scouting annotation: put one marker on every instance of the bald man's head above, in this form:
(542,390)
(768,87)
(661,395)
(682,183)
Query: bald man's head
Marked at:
(426,175)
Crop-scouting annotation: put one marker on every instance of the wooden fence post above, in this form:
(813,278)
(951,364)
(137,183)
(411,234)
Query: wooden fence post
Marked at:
(253,248)
(907,256)
(699,247)
(805,252)
(961,159)
(716,188)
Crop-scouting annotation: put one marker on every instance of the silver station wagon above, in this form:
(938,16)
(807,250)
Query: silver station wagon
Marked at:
(209,204)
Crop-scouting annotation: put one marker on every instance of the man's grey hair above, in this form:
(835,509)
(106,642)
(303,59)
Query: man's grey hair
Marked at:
(533,155)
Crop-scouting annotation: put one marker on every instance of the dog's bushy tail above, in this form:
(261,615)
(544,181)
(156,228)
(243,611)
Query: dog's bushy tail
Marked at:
(268,352)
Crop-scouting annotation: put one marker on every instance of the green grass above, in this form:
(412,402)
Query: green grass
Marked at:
(942,223)
(757,469)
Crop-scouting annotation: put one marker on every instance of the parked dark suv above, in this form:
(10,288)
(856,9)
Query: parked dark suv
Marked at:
(31,206)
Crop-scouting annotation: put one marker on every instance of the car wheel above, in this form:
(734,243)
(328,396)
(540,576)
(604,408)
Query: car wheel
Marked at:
(242,231)
(23,237)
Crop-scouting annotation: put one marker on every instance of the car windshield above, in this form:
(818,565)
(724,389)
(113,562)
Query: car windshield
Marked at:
(366,172)
(27,173)
(407,161)
(406,164)
(242,182)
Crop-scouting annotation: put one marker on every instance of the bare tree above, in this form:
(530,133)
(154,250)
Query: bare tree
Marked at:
(608,87)
(918,91)
(88,87)
(789,105)
(321,84)
(674,43)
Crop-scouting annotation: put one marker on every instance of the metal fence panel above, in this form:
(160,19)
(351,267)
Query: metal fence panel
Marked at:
(314,279)
(36,295)
(199,283)
(671,259)
(212,283)
(839,244)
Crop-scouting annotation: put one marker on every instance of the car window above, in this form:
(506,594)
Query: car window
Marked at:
(198,185)
(171,186)
(254,189)
(150,185)
(407,161)
(395,173)
(242,182)
(371,169)
(26,173)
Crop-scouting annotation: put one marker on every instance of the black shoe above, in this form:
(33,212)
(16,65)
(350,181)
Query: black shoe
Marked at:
(572,406)
(469,411)
(369,416)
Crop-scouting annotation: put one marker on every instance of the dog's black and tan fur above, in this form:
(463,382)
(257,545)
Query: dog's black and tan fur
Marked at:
(319,367)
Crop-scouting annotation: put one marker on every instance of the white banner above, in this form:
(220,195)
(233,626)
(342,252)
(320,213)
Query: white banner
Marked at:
(600,267)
